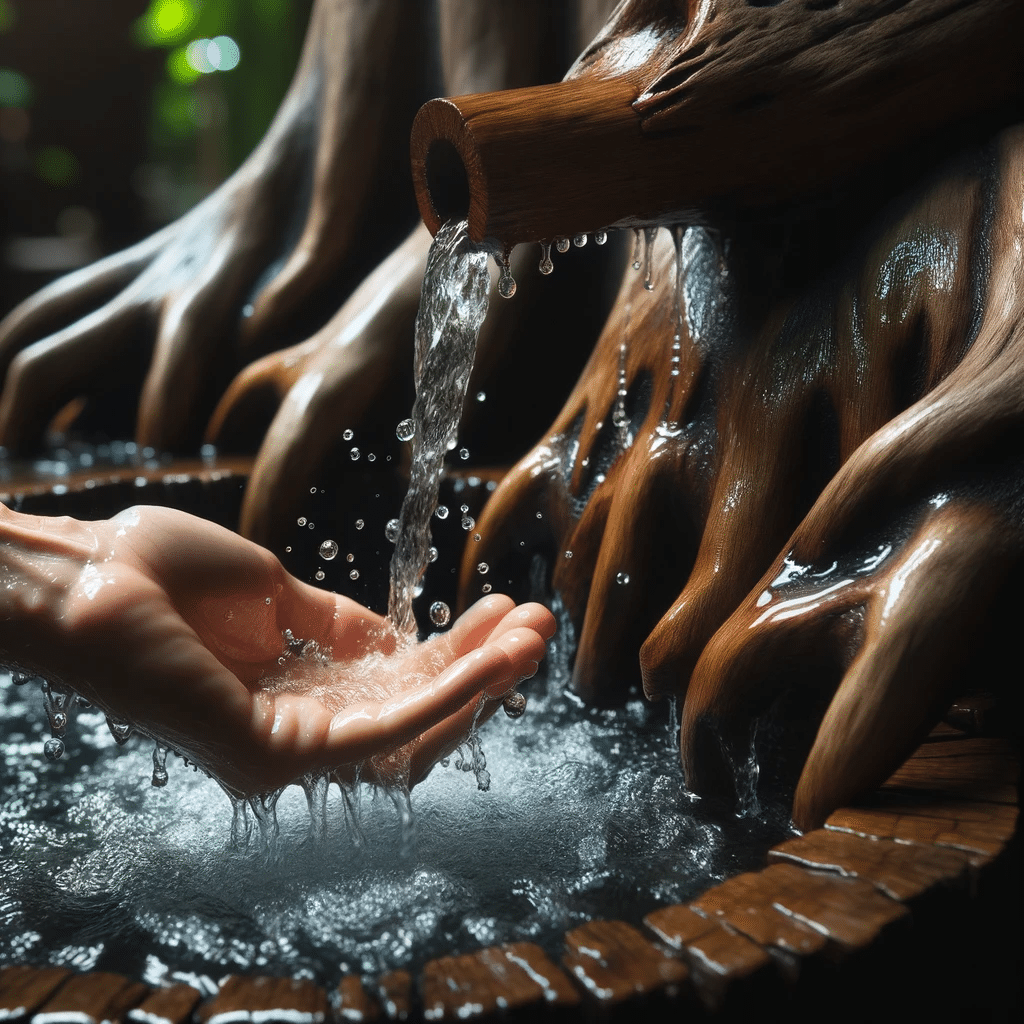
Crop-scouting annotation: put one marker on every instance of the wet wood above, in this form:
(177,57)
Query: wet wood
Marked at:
(24,989)
(745,903)
(723,962)
(849,911)
(962,767)
(172,1005)
(642,132)
(902,871)
(505,979)
(394,990)
(93,998)
(262,1000)
(355,1004)
(613,963)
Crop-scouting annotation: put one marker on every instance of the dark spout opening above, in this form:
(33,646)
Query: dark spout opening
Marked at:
(447,181)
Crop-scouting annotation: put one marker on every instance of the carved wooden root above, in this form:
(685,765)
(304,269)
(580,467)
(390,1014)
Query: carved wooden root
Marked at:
(678,105)
(830,471)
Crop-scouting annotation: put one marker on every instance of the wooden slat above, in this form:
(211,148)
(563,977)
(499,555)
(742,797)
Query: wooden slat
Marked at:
(24,989)
(171,1005)
(91,999)
(355,1004)
(901,870)
(263,1000)
(394,990)
(613,962)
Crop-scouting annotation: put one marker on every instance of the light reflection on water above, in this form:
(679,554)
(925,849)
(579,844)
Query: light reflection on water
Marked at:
(585,818)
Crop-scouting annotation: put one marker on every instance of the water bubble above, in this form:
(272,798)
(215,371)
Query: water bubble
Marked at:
(481,396)
(482,568)
(288,548)
(329,550)
(348,435)
(360,524)
(58,723)
(354,574)
(354,455)
(562,244)
(622,578)
(267,600)
(579,240)
(441,511)
(468,522)
(406,430)
(463,508)
(568,554)
(476,537)
(431,554)
(486,588)
(320,574)
(350,557)
(371,457)
(545,266)
(53,748)
(540,515)
(391,530)
(600,237)
(440,613)
(464,454)
(301,520)
(514,704)
(310,525)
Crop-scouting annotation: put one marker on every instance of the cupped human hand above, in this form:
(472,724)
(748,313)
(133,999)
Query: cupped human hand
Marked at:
(178,626)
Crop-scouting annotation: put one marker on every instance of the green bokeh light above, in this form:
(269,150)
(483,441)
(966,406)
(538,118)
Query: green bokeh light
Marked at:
(8,15)
(57,165)
(179,69)
(15,89)
(166,22)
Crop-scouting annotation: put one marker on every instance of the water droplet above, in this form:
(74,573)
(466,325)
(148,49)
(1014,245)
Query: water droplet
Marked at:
(545,266)
(267,600)
(391,530)
(562,244)
(506,285)
(371,457)
(637,243)
(432,554)
(348,435)
(58,722)
(568,554)
(320,574)
(441,511)
(514,704)
(540,515)
(121,731)
(463,508)
(486,588)
(312,490)
(440,613)
(649,235)
(579,240)
(288,548)
(622,578)
(354,574)
(464,454)
(354,455)
(328,550)
(476,537)
(310,525)
(301,520)
(600,237)
(350,557)
(482,568)
(406,430)
(360,524)
(53,748)
(468,522)
(21,678)
(481,396)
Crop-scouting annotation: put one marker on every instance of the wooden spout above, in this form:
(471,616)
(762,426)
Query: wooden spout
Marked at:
(536,163)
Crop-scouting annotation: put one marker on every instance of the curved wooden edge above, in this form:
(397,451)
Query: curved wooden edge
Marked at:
(926,839)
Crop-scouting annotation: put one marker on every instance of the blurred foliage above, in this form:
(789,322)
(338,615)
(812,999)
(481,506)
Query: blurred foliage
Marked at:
(263,36)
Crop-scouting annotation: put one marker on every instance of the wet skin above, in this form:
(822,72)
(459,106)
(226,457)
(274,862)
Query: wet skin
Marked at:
(177,625)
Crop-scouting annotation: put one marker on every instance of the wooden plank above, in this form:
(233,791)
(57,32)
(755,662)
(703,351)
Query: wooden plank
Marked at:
(901,870)
(171,1005)
(518,976)
(355,1004)
(91,999)
(744,902)
(850,911)
(394,990)
(960,768)
(24,989)
(613,962)
(263,1000)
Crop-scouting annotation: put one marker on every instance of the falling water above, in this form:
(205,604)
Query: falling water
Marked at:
(453,304)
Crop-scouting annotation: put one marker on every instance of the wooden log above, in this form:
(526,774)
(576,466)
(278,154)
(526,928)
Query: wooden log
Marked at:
(95,998)
(614,963)
(24,989)
(671,111)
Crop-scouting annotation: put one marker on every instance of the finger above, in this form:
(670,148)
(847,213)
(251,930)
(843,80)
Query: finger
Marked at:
(87,357)
(475,624)
(531,616)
